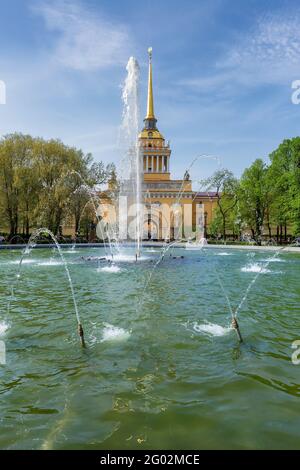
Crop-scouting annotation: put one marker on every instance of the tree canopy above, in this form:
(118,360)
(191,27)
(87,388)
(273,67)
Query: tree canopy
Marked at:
(43,182)
(266,198)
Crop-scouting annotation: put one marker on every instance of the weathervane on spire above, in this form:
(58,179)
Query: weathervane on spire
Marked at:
(150,121)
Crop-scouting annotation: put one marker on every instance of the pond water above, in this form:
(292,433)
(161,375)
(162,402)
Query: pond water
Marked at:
(162,368)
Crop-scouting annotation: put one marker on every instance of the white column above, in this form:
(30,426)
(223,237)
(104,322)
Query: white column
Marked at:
(152,163)
(147,163)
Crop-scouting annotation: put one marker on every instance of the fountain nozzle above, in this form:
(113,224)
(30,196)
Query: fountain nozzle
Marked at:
(81,335)
(236,327)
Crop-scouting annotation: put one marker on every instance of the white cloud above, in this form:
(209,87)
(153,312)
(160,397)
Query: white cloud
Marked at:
(86,40)
(268,54)
(276,39)
(271,54)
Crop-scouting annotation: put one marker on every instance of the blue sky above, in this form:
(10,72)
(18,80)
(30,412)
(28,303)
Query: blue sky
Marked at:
(223,71)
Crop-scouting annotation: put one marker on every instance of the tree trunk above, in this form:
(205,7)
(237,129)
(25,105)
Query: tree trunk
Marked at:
(27,226)
(270,230)
(285,234)
(77,219)
(258,223)
(11,227)
(57,222)
(27,220)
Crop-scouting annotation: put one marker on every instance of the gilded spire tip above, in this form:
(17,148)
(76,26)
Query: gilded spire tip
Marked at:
(150,105)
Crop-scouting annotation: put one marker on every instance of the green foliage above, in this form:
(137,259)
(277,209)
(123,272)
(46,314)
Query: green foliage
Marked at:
(226,187)
(41,183)
(285,176)
(255,197)
(266,200)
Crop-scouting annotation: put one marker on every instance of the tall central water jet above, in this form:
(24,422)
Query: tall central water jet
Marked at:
(131,167)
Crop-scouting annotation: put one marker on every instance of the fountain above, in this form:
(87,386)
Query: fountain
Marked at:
(130,186)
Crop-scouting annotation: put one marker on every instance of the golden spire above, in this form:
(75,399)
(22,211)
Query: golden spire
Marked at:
(150,106)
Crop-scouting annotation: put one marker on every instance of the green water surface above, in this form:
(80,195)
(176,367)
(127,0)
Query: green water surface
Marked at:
(161,370)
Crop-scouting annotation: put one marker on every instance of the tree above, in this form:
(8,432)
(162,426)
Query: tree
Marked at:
(86,193)
(255,195)
(54,162)
(285,174)
(44,182)
(226,187)
(18,185)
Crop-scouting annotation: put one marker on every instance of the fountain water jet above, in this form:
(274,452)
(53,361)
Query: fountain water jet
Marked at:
(166,246)
(23,241)
(99,229)
(234,313)
(31,244)
(251,284)
(131,175)
(92,197)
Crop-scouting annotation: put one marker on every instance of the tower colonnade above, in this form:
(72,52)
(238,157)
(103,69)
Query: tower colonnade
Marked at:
(156,164)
